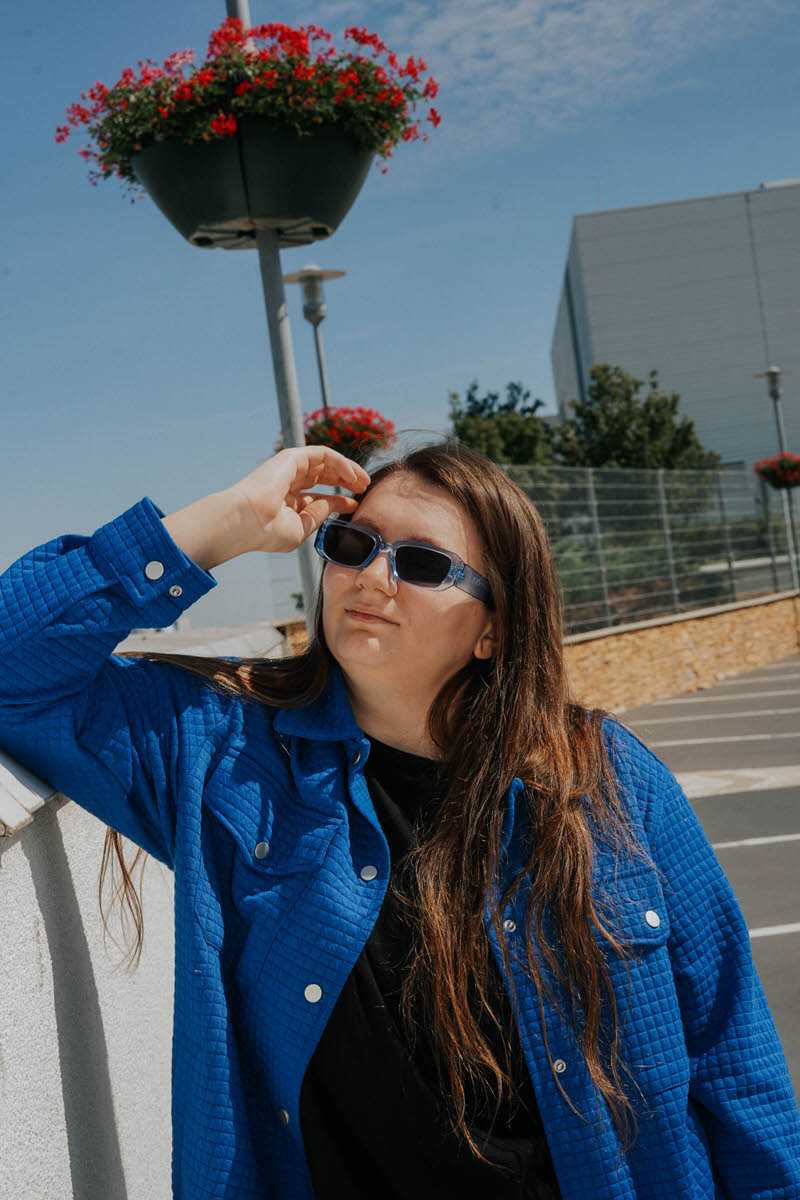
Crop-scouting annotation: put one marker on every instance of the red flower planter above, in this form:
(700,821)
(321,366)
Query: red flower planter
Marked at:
(217,193)
(780,471)
(354,432)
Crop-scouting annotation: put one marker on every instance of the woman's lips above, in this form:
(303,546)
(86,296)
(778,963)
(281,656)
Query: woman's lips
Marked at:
(362,616)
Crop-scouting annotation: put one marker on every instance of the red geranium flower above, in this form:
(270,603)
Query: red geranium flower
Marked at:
(781,471)
(307,82)
(352,431)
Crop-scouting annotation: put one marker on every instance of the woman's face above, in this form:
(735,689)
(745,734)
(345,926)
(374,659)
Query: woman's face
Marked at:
(426,635)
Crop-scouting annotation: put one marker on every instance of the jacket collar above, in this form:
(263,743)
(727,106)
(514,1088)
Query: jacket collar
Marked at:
(329,718)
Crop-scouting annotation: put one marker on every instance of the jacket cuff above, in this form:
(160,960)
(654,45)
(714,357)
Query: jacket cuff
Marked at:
(136,551)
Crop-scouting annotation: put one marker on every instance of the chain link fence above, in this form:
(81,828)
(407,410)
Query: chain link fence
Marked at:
(631,545)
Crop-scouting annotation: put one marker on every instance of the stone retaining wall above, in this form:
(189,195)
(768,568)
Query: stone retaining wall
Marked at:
(627,666)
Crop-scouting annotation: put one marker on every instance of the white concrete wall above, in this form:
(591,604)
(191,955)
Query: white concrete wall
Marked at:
(85,1048)
(86,1042)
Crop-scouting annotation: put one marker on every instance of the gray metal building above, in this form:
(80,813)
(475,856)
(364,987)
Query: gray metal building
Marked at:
(705,290)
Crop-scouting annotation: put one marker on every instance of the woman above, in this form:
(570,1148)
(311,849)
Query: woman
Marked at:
(439,929)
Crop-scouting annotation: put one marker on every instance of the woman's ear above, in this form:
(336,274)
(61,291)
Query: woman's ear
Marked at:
(486,644)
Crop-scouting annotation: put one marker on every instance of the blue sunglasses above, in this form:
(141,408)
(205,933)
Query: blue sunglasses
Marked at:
(346,545)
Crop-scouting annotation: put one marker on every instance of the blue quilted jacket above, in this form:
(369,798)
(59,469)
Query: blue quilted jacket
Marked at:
(265,818)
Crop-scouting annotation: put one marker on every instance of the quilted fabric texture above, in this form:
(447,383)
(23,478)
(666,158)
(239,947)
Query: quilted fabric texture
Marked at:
(265,818)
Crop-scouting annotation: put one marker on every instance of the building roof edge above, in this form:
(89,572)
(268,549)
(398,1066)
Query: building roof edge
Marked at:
(764,187)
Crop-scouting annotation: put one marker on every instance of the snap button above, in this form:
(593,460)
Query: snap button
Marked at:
(313,993)
(283,1116)
(154,570)
(559,1065)
(369,872)
(175,590)
(509,926)
(652,918)
(356,758)
(262,850)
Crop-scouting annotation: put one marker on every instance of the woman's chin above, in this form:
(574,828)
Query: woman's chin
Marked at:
(361,645)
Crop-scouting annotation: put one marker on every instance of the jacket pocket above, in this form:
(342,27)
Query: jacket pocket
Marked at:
(258,847)
(652,1043)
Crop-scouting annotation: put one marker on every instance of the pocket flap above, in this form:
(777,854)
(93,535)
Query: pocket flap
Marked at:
(632,906)
(275,833)
(292,847)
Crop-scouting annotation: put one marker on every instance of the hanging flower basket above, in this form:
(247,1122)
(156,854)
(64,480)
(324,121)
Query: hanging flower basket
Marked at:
(354,432)
(265,133)
(218,193)
(781,471)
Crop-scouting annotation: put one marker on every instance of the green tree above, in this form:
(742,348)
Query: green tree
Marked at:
(615,428)
(507,431)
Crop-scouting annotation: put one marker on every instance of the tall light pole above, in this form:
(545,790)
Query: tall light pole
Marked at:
(280,336)
(315,310)
(773,375)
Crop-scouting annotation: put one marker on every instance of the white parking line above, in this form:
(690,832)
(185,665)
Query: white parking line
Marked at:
(739,737)
(757,841)
(750,712)
(731,679)
(771,930)
(696,697)
(700,784)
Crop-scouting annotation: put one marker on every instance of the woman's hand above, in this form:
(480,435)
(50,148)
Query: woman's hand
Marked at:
(280,509)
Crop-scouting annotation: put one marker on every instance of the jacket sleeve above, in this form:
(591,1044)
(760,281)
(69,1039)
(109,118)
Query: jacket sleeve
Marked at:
(99,727)
(739,1079)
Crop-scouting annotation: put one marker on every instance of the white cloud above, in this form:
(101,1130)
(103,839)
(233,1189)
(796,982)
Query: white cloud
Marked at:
(514,71)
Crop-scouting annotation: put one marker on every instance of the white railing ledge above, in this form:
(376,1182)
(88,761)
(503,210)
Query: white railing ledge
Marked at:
(21,794)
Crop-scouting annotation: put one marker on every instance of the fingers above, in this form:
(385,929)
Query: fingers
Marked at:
(319,506)
(341,504)
(326,465)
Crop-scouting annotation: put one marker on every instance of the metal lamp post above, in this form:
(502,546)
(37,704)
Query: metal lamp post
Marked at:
(280,336)
(773,375)
(314,310)
(265,190)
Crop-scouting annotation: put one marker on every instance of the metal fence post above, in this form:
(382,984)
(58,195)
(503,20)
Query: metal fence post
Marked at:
(792,541)
(770,538)
(598,541)
(726,533)
(662,503)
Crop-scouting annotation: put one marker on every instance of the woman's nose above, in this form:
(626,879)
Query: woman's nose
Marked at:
(379,572)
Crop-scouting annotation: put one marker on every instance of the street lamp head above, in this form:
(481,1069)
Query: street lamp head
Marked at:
(773,377)
(311,277)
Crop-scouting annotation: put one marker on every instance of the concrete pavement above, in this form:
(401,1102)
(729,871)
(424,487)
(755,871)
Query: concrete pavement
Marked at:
(735,750)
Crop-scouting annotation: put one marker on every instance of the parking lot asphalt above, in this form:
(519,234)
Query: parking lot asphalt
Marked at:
(735,750)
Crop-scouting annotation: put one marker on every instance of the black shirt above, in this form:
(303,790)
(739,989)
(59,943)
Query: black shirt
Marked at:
(371,1119)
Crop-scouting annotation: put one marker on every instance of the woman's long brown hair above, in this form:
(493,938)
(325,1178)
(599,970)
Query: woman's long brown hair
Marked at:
(496,719)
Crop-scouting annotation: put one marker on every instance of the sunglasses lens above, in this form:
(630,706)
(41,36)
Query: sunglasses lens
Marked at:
(425,568)
(347,547)
(415,564)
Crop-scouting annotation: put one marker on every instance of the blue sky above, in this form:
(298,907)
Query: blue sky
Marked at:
(136,364)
